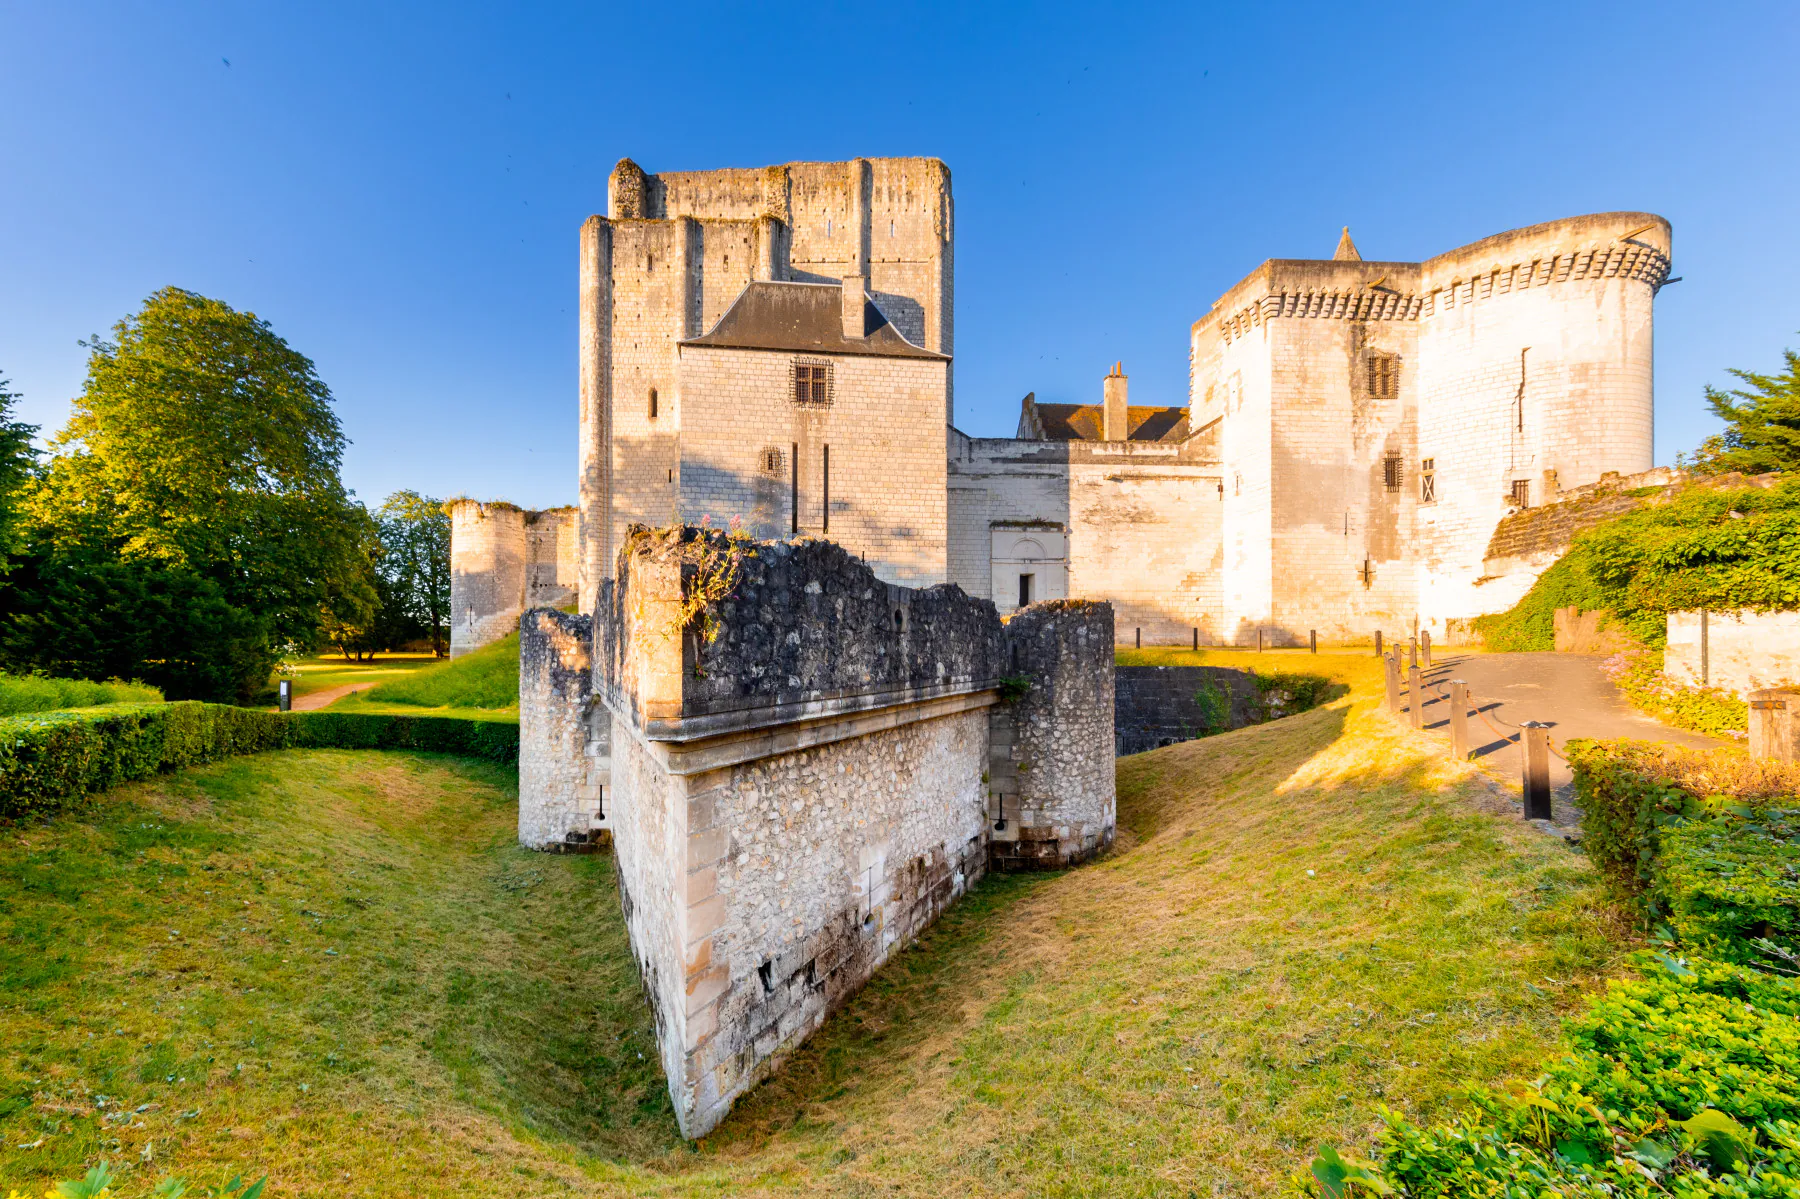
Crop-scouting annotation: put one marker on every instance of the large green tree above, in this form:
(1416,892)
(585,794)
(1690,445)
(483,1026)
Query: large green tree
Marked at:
(415,568)
(18,466)
(1762,423)
(204,446)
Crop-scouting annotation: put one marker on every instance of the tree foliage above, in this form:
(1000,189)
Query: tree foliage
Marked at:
(1762,423)
(202,459)
(18,466)
(1707,546)
(415,569)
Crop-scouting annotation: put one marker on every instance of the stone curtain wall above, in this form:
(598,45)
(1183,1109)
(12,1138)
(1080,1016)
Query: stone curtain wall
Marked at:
(1050,761)
(1159,705)
(563,760)
(796,800)
(1745,651)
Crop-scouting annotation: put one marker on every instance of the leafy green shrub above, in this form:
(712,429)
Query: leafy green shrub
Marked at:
(1725,883)
(1631,793)
(1717,544)
(1530,625)
(49,759)
(1711,710)
(1627,799)
(1684,1082)
(1282,694)
(35,693)
(486,678)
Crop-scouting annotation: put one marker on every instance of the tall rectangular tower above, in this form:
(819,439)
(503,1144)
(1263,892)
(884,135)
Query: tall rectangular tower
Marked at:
(676,252)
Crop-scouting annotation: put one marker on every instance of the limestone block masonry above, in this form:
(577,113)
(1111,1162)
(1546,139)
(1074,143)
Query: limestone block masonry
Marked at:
(504,559)
(795,798)
(563,758)
(1741,651)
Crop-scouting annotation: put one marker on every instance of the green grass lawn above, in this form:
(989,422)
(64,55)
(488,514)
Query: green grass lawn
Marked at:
(322,672)
(487,678)
(338,969)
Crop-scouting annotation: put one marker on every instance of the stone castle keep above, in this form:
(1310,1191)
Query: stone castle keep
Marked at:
(800,779)
(776,345)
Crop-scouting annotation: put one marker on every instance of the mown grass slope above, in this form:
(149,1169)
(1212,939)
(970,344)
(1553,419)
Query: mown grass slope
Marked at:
(337,968)
(486,678)
(20,694)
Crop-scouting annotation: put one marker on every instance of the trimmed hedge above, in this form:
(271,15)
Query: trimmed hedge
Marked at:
(48,759)
(1727,882)
(1627,799)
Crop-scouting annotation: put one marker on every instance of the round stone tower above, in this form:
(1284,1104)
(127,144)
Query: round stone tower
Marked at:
(489,556)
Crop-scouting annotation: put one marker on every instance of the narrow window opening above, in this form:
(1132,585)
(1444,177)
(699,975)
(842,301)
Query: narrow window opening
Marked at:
(649,262)
(1025,590)
(1384,376)
(899,621)
(1521,492)
(653,403)
(766,972)
(794,487)
(890,228)
(828,228)
(825,490)
(1519,405)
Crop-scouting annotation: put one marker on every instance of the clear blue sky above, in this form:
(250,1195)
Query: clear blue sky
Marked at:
(399,189)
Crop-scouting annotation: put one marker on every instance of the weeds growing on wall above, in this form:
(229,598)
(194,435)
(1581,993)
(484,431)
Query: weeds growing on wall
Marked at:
(711,562)
(1215,708)
(1711,710)
(1717,545)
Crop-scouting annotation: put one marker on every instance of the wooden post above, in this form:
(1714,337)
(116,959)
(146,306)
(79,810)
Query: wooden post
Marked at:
(1534,744)
(1705,652)
(1414,684)
(1772,725)
(1391,667)
(1259,640)
(1138,638)
(1378,643)
(1196,640)
(1412,649)
(1425,648)
(1459,720)
(1312,638)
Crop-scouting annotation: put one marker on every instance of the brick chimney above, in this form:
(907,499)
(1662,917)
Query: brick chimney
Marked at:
(856,299)
(1113,422)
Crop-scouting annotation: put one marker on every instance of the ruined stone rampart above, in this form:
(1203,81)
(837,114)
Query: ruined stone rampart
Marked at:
(563,760)
(795,796)
(504,559)
(1050,757)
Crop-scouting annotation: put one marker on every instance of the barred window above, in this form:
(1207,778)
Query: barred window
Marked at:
(812,383)
(1384,376)
(1428,481)
(773,460)
(1392,472)
(1521,492)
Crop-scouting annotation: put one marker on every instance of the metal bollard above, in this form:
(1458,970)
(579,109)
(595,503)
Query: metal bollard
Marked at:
(1534,744)
(1425,648)
(1459,720)
(284,690)
(1418,696)
(1391,667)
(1378,643)
(1312,638)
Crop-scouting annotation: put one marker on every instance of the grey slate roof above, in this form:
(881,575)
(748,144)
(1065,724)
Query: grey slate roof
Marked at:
(804,318)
